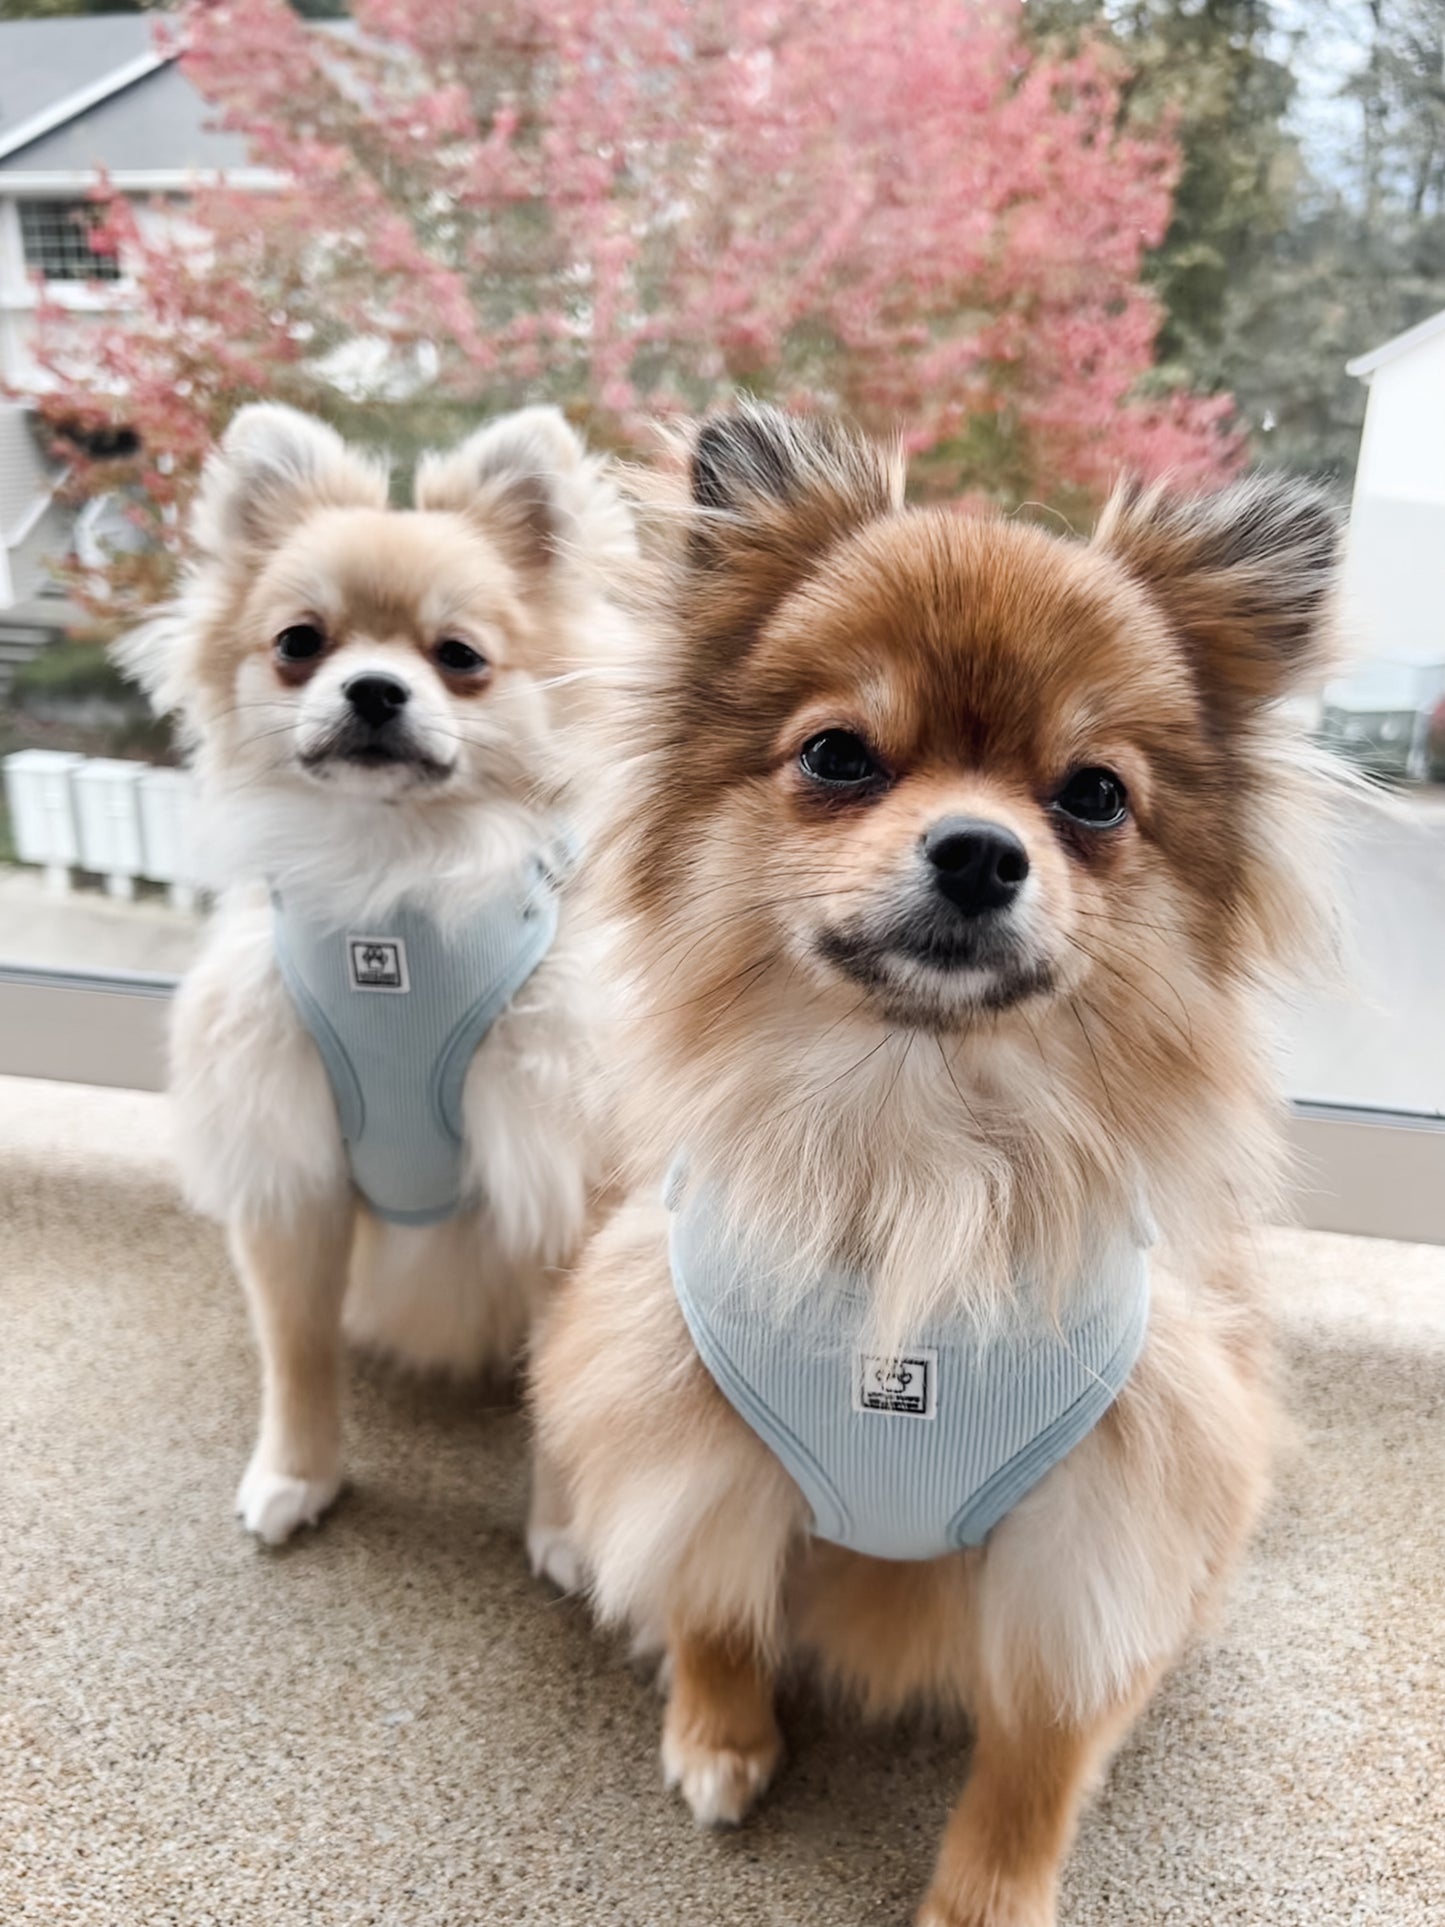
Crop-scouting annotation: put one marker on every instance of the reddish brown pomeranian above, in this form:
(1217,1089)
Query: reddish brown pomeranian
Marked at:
(951,860)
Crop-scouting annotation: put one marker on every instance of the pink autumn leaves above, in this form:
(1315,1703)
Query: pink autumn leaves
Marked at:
(637,209)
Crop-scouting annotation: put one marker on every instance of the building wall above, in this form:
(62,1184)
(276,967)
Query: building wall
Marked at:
(23,474)
(86,302)
(1402,453)
(1395,551)
(27,515)
(1395,579)
(46,543)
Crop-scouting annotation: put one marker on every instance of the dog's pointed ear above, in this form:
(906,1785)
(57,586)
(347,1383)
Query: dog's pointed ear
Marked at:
(1246,578)
(755,461)
(520,477)
(771,494)
(272,466)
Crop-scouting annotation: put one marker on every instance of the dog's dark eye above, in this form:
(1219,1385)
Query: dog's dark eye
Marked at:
(459,657)
(839,759)
(300,642)
(1095,797)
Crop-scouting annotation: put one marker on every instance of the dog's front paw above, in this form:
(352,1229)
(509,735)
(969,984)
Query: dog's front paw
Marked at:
(273,1505)
(553,1556)
(720,1783)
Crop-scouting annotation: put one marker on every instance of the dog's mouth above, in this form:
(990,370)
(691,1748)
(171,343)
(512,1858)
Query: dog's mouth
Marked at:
(376,755)
(932,977)
(346,748)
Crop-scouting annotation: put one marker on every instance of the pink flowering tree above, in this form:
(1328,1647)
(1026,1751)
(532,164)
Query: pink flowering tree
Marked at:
(637,209)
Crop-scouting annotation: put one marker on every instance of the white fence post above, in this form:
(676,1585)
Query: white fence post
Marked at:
(42,811)
(122,820)
(107,808)
(165,819)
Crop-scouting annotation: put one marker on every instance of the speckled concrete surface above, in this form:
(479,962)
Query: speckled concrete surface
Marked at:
(389,1724)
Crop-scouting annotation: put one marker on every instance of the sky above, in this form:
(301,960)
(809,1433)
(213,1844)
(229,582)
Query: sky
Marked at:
(1324,42)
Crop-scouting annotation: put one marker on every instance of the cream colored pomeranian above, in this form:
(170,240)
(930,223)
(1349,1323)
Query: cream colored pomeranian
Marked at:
(379,1063)
(927,1349)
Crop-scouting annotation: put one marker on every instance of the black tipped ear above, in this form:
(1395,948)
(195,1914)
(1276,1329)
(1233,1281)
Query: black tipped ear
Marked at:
(757,456)
(746,456)
(1245,576)
(772,495)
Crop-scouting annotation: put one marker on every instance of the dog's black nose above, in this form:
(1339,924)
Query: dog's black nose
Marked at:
(977,865)
(376,699)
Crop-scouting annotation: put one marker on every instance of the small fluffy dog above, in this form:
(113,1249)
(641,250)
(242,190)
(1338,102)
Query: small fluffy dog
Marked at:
(379,1060)
(955,855)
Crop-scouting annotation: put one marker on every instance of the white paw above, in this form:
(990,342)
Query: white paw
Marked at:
(272,1505)
(720,1785)
(552,1556)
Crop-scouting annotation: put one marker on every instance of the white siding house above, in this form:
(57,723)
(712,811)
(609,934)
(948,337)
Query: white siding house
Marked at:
(1395,552)
(33,528)
(81,99)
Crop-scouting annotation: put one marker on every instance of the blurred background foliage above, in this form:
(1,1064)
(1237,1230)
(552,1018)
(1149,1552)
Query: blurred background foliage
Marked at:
(1307,224)
(1291,249)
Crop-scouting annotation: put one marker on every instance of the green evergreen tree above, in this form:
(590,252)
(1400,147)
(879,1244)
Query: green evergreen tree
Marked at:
(1364,256)
(1209,67)
(61,9)
(1272,279)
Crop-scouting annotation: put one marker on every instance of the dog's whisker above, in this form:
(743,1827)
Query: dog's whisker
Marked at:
(958,1092)
(1073,1003)
(1184,1031)
(693,937)
(893,1081)
(757,965)
(808,1097)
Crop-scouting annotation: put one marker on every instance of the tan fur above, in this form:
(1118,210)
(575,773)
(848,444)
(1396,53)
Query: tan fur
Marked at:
(294,1276)
(999,1862)
(903,1125)
(517,549)
(720,1744)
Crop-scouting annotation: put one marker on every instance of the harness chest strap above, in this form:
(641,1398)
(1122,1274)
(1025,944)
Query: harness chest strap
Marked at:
(918,1454)
(397,1009)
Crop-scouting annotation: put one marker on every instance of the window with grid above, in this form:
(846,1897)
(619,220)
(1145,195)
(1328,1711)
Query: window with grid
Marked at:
(58,240)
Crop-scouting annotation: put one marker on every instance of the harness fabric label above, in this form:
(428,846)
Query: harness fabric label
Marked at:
(377,963)
(905,1383)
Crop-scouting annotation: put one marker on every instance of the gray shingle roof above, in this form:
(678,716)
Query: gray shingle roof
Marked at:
(44,62)
(158,122)
(152,121)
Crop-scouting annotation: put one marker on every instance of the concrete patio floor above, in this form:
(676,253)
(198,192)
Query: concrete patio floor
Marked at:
(390,1723)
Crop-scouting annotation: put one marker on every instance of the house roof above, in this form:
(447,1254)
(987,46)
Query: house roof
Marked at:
(1365,365)
(51,69)
(94,91)
(156,124)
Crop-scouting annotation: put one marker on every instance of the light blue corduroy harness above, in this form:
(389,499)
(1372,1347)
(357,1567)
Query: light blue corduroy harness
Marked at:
(397,1011)
(914,1455)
